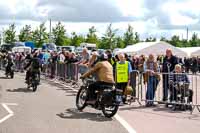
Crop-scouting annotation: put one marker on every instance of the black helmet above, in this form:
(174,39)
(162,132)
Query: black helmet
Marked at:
(103,57)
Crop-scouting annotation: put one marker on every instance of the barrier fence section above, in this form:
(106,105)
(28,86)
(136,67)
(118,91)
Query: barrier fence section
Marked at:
(63,71)
(134,83)
(19,65)
(2,64)
(180,90)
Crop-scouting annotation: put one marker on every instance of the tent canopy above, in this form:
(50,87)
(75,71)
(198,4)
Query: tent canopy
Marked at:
(156,48)
(191,51)
(196,53)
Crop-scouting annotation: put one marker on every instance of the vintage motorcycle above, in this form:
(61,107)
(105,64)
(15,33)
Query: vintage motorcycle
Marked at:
(105,98)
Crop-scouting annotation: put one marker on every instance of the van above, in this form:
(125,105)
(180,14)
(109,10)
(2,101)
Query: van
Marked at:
(21,49)
(67,48)
(89,46)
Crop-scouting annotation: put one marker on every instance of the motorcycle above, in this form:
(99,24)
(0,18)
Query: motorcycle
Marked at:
(105,101)
(33,81)
(9,71)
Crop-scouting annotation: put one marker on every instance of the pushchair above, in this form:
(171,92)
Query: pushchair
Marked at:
(182,96)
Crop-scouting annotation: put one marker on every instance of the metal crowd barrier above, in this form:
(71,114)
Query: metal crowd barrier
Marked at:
(161,89)
(63,71)
(2,64)
(19,65)
(169,91)
(134,83)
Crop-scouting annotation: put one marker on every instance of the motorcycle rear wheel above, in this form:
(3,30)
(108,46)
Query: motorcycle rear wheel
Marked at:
(112,112)
(12,75)
(34,87)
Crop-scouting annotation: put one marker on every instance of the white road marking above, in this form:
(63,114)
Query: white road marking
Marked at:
(124,124)
(11,113)
(117,117)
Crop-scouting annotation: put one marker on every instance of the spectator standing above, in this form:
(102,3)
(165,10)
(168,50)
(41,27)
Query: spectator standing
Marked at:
(198,63)
(123,70)
(83,64)
(52,63)
(169,63)
(153,78)
(194,65)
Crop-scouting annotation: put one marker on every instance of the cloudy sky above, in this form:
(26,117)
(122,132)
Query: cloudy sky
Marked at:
(148,17)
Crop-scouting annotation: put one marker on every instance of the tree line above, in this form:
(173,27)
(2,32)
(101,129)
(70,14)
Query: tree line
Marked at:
(109,40)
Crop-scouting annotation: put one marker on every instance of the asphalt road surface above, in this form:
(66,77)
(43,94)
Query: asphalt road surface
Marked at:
(49,110)
(52,110)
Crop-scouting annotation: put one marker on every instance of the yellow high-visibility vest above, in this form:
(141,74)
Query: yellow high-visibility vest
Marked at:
(122,72)
(112,61)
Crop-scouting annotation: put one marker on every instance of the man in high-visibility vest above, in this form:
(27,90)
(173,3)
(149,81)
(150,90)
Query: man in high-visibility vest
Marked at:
(123,70)
(111,59)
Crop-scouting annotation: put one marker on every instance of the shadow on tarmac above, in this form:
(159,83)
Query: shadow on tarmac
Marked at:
(162,111)
(75,114)
(25,90)
(4,78)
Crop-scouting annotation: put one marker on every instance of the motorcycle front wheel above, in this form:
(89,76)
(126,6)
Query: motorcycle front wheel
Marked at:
(81,98)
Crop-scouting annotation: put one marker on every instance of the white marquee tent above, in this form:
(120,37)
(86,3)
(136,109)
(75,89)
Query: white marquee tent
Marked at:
(191,51)
(156,48)
(196,53)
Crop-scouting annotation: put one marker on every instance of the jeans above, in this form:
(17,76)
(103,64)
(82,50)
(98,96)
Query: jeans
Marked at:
(151,88)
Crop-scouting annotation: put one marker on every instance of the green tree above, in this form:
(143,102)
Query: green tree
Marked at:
(163,39)
(76,40)
(40,35)
(91,36)
(137,37)
(119,42)
(67,41)
(25,34)
(129,36)
(184,43)
(59,34)
(150,39)
(175,41)
(9,34)
(108,41)
(194,40)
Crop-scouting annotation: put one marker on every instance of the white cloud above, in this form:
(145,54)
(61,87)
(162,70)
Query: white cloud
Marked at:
(131,7)
(176,9)
(148,17)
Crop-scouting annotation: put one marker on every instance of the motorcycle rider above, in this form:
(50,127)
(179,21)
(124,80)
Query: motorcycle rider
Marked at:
(9,64)
(33,66)
(104,72)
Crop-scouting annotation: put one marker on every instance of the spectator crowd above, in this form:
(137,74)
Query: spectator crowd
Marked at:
(149,67)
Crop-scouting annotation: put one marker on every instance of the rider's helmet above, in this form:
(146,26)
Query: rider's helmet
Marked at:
(35,54)
(103,57)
